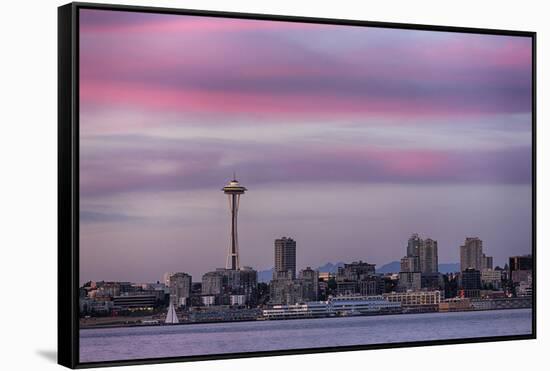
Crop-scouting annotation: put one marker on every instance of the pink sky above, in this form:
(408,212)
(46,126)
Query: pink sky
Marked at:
(172,105)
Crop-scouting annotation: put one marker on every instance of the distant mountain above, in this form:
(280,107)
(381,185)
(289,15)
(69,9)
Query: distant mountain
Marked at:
(266,275)
(330,268)
(392,267)
(395,266)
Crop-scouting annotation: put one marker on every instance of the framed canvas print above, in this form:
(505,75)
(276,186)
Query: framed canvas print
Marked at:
(236,185)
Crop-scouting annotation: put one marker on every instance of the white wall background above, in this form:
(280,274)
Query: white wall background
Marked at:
(28,181)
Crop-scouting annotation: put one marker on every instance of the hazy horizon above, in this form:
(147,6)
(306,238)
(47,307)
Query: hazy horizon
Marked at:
(349,139)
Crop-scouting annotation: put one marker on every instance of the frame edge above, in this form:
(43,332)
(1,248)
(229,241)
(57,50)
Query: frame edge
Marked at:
(67,351)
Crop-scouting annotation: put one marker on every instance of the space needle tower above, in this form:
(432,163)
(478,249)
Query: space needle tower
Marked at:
(233,190)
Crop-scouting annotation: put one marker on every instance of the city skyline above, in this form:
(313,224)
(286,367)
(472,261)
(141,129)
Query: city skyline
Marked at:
(401,139)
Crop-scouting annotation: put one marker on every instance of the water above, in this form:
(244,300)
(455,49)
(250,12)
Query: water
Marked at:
(199,339)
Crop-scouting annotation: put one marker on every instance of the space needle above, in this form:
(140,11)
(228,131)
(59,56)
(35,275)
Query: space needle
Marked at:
(233,190)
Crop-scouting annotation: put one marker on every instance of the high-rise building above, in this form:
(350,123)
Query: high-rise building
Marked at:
(419,268)
(285,257)
(413,245)
(233,190)
(427,252)
(180,288)
(471,254)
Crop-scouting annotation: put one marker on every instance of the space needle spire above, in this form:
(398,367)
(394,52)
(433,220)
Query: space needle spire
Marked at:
(233,190)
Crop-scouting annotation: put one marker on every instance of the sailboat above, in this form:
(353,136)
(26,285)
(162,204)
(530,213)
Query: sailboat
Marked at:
(171,316)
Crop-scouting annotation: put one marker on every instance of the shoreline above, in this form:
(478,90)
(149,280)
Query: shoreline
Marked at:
(107,326)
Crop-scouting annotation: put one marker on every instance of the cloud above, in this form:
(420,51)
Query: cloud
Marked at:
(190,64)
(87,216)
(126,164)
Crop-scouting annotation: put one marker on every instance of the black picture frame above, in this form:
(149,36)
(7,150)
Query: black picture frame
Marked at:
(68,180)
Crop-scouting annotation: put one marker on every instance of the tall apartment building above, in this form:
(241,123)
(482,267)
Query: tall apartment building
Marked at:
(471,254)
(413,245)
(428,256)
(285,257)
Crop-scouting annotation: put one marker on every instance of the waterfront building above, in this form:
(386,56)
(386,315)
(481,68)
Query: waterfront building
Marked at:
(334,306)
(455,305)
(287,311)
(361,305)
(233,190)
(134,302)
(92,306)
(415,298)
(502,303)
(428,258)
(471,254)
(222,313)
(285,257)
(180,288)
